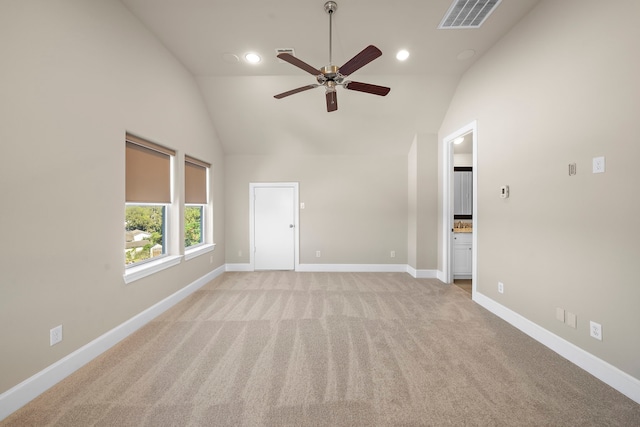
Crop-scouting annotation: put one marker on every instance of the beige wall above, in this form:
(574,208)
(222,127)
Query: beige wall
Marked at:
(427,230)
(561,87)
(75,76)
(412,186)
(355,206)
(423,202)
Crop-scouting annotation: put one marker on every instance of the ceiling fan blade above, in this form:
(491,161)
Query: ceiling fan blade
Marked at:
(367,55)
(299,63)
(367,88)
(332,101)
(294,91)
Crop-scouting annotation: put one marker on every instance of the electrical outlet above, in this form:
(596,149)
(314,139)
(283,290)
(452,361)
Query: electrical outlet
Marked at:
(55,335)
(595,329)
(393,254)
(598,164)
(501,287)
(240,253)
(317,254)
(560,314)
(211,259)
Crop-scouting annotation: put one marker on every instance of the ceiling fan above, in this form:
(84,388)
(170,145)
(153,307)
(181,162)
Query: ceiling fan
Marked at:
(331,76)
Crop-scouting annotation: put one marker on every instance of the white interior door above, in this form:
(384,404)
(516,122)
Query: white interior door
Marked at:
(274,219)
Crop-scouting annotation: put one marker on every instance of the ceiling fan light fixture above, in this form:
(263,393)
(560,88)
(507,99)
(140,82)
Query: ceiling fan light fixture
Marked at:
(402,55)
(252,58)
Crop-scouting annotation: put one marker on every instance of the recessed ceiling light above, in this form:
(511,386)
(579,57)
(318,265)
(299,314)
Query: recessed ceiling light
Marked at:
(402,55)
(252,58)
(458,140)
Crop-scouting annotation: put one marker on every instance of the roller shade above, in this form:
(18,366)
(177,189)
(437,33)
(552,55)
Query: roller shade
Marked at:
(148,172)
(195,181)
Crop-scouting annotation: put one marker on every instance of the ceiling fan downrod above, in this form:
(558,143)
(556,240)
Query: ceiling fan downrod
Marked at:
(330,7)
(330,71)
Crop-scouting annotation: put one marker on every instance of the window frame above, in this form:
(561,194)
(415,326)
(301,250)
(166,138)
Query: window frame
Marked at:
(203,227)
(138,270)
(206,217)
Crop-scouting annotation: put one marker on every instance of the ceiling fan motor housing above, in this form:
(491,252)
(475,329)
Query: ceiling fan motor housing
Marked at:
(330,6)
(330,72)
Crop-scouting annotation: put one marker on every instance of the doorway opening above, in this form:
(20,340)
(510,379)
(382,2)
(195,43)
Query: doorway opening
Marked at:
(459,214)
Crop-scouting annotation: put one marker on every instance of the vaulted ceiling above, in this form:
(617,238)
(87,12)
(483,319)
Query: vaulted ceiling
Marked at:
(208,35)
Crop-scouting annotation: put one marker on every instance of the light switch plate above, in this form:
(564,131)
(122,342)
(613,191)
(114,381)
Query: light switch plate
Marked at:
(571,320)
(560,314)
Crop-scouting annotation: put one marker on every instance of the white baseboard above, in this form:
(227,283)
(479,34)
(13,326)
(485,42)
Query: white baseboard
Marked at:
(353,268)
(238,267)
(422,274)
(605,372)
(21,394)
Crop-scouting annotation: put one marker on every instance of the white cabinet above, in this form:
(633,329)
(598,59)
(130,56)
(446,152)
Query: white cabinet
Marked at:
(462,255)
(462,192)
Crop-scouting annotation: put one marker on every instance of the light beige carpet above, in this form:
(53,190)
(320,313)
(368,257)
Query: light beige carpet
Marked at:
(328,349)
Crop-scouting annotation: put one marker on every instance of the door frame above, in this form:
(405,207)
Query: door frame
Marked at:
(447,205)
(296,219)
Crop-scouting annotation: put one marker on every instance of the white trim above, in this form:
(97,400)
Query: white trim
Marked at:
(239,267)
(136,273)
(21,394)
(447,207)
(447,204)
(350,268)
(198,250)
(412,271)
(605,372)
(353,268)
(422,274)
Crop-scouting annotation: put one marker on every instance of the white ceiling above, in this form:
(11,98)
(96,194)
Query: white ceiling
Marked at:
(240,95)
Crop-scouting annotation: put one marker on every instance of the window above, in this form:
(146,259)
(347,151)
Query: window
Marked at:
(195,200)
(148,196)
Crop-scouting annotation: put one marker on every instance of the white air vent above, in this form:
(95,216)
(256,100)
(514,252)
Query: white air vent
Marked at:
(288,50)
(468,13)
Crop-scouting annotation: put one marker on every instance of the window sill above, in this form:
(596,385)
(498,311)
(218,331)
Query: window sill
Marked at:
(199,250)
(136,273)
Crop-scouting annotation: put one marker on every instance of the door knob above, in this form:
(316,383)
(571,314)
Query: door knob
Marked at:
(291,225)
